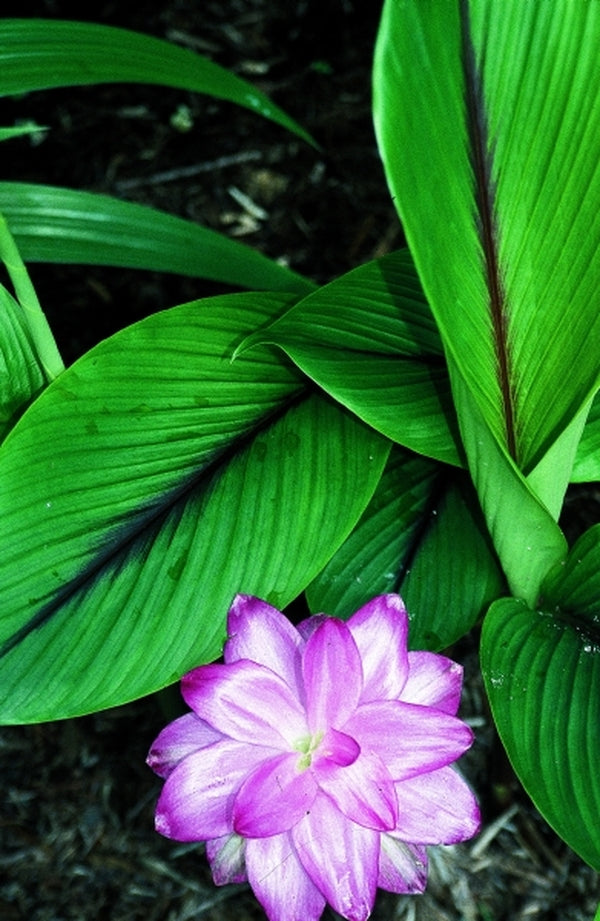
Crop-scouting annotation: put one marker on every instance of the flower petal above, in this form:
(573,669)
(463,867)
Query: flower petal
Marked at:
(409,739)
(259,632)
(308,626)
(380,629)
(177,740)
(363,791)
(197,798)
(226,857)
(402,867)
(280,882)
(340,857)
(338,748)
(247,702)
(437,808)
(433,681)
(273,798)
(332,675)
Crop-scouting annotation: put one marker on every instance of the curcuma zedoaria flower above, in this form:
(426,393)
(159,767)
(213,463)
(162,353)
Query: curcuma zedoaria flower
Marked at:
(316,761)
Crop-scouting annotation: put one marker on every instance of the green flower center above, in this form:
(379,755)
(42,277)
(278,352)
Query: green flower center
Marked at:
(307,746)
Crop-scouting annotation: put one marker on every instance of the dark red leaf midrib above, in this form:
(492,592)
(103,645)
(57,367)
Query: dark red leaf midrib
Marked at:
(481,161)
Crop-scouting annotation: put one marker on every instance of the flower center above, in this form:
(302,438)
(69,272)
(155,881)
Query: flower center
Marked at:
(307,746)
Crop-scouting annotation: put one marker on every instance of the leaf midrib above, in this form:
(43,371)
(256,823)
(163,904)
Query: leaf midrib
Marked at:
(144,525)
(481,160)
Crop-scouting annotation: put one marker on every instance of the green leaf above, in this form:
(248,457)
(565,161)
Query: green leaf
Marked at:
(542,676)
(21,376)
(489,130)
(369,340)
(454,573)
(372,560)
(550,478)
(33,320)
(147,485)
(406,542)
(38,54)
(17,131)
(524,531)
(573,586)
(587,460)
(53,224)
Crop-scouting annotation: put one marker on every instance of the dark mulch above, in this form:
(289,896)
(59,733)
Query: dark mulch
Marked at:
(76,838)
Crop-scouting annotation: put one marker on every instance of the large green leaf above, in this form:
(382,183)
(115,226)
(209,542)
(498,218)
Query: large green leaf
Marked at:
(38,54)
(369,339)
(542,676)
(53,224)
(489,126)
(148,484)
(406,541)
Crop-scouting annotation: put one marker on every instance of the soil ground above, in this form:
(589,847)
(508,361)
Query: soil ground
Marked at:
(76,820)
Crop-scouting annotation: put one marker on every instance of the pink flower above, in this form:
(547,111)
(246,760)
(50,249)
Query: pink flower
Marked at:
(315,763)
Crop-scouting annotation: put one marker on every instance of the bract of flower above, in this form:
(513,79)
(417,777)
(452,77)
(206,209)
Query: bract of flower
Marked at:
(316,761)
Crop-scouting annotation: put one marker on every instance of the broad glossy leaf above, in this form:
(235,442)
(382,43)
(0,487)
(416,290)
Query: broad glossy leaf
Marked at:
(369,340)
(38,54)
(489,126)
(21,376)
(146,486)
(52,224)
(542,676)
(406,541)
